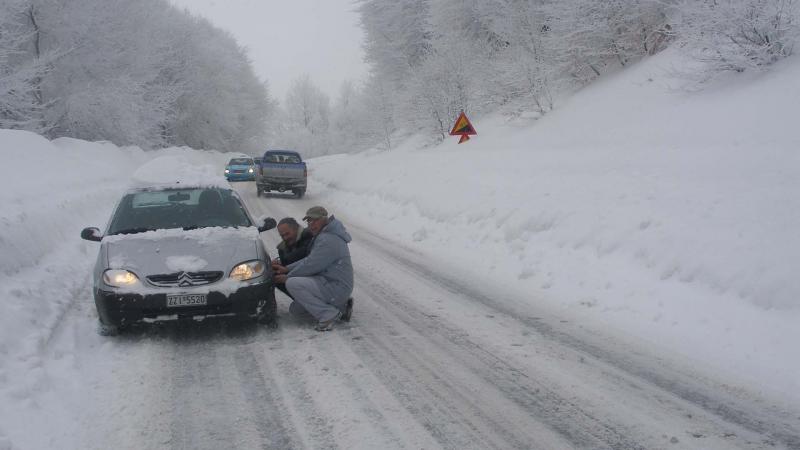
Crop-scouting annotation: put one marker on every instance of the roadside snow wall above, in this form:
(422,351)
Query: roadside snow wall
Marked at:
(49,191)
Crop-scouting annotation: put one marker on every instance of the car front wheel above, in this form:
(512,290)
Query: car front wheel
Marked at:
(267,311)
(107,330)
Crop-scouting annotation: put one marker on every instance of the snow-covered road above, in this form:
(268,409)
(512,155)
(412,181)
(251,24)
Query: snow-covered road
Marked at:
(431,359)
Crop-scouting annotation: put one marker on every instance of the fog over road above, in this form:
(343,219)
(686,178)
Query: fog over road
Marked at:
(431,359)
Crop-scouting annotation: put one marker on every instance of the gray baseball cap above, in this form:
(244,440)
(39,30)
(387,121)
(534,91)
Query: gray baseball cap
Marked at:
(316,212)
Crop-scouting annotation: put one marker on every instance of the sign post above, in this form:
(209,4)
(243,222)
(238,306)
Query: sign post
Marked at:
(463,128)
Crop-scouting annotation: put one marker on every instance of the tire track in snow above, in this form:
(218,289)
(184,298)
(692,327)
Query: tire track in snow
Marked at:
(218,400)
(202,418)
(760,426)
(397,416)
(281,364)
(446,412)
(265,403)
(537,404)
(724,418)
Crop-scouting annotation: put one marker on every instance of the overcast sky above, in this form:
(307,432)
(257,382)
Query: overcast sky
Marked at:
(286,39)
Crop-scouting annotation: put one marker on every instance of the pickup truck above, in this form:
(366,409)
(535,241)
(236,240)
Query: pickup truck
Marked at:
(282,170)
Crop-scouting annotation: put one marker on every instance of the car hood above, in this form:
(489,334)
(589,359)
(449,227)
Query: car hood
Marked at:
(240,167)
(171,251)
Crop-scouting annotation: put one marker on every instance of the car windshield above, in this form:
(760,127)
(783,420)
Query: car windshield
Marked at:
(173,208)
(240,162)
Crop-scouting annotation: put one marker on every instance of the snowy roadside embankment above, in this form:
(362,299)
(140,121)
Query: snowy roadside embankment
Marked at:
(51,190)
(667,216)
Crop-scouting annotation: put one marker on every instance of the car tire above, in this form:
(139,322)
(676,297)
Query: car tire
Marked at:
(108,330)
(300,193)
(258,191)
(267,311)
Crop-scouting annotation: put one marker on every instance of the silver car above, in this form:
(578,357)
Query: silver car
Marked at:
(173,251)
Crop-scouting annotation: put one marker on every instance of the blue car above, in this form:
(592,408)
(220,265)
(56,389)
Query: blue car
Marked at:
(240,169)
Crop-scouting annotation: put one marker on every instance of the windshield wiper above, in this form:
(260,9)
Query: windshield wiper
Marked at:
(134,230)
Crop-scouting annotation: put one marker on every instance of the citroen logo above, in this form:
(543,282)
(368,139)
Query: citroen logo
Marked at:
(184,280)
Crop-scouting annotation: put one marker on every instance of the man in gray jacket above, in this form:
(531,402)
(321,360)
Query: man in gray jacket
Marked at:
(322,282)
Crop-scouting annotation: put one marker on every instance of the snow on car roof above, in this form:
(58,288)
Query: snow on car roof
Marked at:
(177,171)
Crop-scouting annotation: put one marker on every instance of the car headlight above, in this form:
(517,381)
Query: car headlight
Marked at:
(119,278)
(248,270)
(250,170)
(227,171)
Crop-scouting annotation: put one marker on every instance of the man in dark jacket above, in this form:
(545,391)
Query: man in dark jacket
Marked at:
(322,282)
(294,246)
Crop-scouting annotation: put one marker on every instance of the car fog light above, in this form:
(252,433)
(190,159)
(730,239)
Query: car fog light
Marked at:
(248,270)
(119,278)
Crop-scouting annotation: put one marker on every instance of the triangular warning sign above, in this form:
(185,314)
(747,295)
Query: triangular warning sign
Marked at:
(463,127)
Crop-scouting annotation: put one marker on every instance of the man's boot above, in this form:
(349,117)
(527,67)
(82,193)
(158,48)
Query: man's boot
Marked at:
(348,310)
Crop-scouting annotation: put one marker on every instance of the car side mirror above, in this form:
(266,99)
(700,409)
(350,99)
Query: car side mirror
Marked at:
(268,224)
(91,234)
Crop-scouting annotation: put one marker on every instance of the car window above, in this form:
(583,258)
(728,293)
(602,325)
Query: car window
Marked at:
(283,158)
(172,208)
(240,162)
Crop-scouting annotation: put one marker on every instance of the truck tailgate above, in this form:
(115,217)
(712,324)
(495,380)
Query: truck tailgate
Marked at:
(282,171)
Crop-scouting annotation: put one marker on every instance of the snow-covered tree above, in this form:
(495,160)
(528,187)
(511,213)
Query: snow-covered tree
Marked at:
(221,104)
(22,65)
(138,72)
(736,35)
(397,36)
(438,57)
(381,119)
(307,106)
(591,36)
(305,121)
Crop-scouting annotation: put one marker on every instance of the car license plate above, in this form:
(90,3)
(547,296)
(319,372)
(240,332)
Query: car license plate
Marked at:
(185,300)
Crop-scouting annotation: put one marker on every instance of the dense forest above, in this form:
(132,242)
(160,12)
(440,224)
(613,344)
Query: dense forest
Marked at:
(132,72)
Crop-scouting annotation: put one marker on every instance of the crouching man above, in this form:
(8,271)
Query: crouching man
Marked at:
(322,282)
(294,246)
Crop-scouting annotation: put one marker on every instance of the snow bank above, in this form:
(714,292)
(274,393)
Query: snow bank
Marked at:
(51,190)
(189,168)
(666,215)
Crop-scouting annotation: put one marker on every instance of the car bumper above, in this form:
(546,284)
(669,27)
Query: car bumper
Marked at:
(240,177)
(280,185)
(115,308)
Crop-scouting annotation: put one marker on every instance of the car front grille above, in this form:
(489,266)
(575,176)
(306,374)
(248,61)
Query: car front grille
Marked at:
(184,279)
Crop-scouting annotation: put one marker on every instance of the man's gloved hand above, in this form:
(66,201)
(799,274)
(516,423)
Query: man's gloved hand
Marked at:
(278,268)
